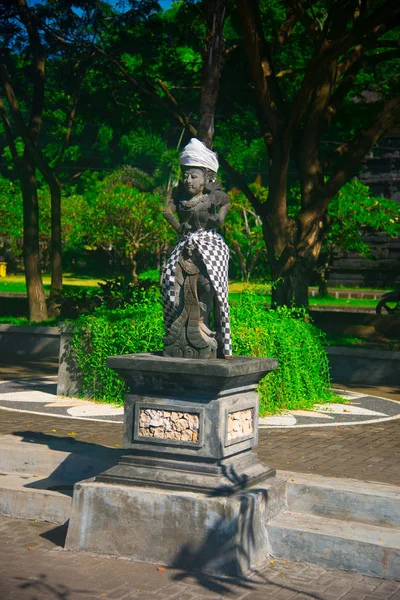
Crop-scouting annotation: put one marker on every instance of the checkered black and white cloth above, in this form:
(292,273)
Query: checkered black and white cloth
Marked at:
(215,254)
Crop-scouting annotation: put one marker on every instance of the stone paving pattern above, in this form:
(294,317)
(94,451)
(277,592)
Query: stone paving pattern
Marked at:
(364,452)
(34,567)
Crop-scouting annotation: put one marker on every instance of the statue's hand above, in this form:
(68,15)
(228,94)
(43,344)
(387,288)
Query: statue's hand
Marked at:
(214,221)
(184,228)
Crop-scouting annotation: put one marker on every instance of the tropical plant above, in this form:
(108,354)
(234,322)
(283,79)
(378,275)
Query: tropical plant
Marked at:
(301,379)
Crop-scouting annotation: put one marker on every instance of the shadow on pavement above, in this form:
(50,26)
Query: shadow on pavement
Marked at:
(56,535)
(30,385)
(392,392)
(19,368)
(41,587)
(83,460)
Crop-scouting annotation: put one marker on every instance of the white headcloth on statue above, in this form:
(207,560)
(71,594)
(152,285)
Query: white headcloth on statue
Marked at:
(196,154)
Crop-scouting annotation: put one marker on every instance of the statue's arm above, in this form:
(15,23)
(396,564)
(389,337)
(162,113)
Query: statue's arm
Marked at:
(168,213)
(222,203)
(223,211)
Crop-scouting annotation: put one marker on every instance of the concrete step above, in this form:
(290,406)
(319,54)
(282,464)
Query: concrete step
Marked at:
(340,544)
(64,459)
(31,497)
(344,499)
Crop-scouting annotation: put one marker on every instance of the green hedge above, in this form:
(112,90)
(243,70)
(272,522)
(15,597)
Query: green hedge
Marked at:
(301,380)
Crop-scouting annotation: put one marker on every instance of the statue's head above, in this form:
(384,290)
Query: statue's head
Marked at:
(199,166)
(197,180)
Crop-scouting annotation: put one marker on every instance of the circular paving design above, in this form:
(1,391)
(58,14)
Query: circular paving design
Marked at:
(39,396)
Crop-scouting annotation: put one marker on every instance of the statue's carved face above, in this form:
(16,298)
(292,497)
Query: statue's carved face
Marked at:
(194,181)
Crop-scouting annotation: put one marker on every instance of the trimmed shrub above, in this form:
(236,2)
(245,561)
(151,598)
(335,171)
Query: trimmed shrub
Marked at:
(301,380)
(108,332)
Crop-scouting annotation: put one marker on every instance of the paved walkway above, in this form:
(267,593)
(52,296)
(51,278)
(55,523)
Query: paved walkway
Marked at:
(368,452)
(38,395)
(33,567)
(363,452)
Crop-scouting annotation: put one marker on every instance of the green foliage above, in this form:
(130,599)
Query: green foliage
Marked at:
(242,230)
(352,214)
(10,212)
(355,211)
(118,219)
(151,275)
(301,380)
(23,321)
(111,332)
(302,377)
(110,294)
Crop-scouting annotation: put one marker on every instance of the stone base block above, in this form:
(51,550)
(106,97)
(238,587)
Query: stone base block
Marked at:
(225,535)
(221,478)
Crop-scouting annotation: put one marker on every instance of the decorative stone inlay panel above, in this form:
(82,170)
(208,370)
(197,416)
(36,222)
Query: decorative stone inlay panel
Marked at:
(240,424)
(169,425)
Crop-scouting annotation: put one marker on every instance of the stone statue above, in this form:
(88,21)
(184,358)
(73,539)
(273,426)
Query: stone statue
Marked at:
(195,278)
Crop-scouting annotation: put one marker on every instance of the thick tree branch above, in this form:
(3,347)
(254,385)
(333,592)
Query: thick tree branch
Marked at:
(358,149)
(27,18)
(285,29)
(309,24)
(386,14)
(9,134)
(212,66)
(31,146)
(266,87)
(69,124)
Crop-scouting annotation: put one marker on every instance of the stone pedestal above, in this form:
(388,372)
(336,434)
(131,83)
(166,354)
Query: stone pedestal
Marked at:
(190,491)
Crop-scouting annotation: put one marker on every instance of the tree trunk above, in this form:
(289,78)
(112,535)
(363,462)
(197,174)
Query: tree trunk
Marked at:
(300,280)
(291,289)
(56,250)
(323,274)
(212,64)
(292,267)
(34,284)
(133,264)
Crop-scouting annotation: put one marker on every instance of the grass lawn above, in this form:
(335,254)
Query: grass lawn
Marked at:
(234,296)
(16,283)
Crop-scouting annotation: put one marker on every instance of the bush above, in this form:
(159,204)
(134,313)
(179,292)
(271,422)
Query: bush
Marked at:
(302,377)
(108,332)
(113,293)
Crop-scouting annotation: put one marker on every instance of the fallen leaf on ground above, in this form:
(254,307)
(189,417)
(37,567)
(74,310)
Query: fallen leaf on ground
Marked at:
(272,562)
(30,548)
